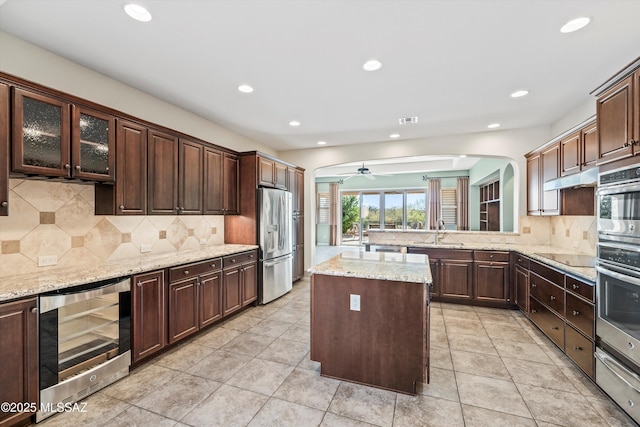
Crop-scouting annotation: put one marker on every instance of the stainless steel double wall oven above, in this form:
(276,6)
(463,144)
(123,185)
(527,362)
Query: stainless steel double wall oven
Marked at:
(618,287)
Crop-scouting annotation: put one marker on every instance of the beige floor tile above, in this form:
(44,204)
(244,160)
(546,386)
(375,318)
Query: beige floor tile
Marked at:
(307,363)
(298,332)
(140,382)
(491,393)
(227,406)
(364,403)
(270,328)
(494,311)
(220,366)
(480,417)
(581,382)
(458,307)
(521,350)
(486,365)
(440,357)
(438,337)
(501,332)
(308,388)
(559,407)
(426,411)
(138,417)
(299,305)
(261,376)
(612,415)
(498,319)
(242,322)
(278,412)
(538,374)
(555,354)
(179,396)
(99,409)
(217,337)
(285,351)
(465,327)
(333,420)
(442,384)
(472,343)
(286,315)
(184,356)
(450,314)
(262,311)
(248,344)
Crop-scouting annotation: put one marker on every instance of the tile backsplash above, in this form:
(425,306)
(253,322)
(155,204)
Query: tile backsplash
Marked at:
(57,219)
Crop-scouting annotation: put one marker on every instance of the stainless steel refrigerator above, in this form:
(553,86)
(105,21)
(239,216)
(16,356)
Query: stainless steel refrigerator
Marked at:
(275,239)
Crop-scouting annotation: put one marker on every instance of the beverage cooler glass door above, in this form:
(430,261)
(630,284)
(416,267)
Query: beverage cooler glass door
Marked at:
(618,321)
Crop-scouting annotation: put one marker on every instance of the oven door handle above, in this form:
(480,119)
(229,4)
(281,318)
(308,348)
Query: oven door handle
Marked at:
(605,359)
(618,189)
(630,277)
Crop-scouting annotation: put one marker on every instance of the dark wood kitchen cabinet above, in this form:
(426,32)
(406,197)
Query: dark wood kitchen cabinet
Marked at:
(272,173)
(149,314)
(195,297)
(451,273)
(579,150)
(617,121)
(240,281)
(4,149)
(221,171)
(491,279)
(53,137)
(162,160)
(128,196)
(521,282)
(19,351)
(190,177)
(543,166)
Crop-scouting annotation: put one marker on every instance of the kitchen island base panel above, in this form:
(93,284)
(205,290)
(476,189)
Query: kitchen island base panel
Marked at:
(384,344)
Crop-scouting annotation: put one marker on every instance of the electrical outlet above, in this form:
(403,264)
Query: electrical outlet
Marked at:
(46,260)
(145,248)
(354,302)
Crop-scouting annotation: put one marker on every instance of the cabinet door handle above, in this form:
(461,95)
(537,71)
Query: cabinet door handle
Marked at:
(533,310)
(576,348)
(490,256)
(574,286)
(4,204)
(121,207)
(575,313)
(34,310)
(555,328)
(533,285)
(78,168)
(139,284)
(67,166)
(186,272)
(553,298)
(213,266)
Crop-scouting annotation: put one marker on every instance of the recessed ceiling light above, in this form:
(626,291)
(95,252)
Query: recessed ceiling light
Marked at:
(372,65)
(575,24)
(493,125)
(294,123)
(462,156)
(245,88)
(322,142)
(519,93)
(137,12)
(394,135)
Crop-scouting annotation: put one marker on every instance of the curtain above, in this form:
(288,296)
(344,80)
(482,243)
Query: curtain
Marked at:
(462,195)
(335,229)
(434,202)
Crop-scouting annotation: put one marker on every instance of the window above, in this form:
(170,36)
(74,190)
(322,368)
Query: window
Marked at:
(416,207)
(448,208)
(393,210)
(323,208)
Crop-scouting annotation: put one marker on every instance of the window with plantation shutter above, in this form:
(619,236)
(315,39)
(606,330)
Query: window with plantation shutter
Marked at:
(448,208)
(323,208)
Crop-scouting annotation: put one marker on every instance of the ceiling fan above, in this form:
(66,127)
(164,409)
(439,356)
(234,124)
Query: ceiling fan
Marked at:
(364,171)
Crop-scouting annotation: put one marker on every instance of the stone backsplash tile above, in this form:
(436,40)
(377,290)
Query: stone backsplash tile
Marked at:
(57,218)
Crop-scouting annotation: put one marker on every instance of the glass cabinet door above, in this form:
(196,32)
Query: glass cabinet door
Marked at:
(41,134)
(93,139)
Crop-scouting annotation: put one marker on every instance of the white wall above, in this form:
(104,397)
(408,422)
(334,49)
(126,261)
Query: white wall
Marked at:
(32,63)
(576,116)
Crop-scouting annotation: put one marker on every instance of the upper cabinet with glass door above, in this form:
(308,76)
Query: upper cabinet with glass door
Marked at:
(53,138)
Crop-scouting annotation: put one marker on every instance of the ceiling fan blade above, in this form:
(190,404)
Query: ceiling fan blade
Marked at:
(382,174)
(368,176)
(349,177)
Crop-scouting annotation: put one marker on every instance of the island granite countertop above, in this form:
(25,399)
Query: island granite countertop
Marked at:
(51,278)
(377,265)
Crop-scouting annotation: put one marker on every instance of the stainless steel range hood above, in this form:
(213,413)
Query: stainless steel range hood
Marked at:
(587,178)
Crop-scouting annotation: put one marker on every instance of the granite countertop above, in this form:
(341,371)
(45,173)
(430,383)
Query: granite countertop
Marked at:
(531,251)
(24,285)
(412,268)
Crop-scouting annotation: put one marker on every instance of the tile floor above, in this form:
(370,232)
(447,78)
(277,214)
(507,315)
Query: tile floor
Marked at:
(489,367)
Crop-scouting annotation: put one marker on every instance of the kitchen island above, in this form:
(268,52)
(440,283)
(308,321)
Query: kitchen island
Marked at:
(370,318)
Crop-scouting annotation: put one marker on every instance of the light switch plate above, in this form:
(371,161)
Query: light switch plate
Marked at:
(354,302)
(46,260)
(145,248)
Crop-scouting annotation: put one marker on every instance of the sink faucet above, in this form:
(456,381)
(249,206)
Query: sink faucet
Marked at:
(439,225)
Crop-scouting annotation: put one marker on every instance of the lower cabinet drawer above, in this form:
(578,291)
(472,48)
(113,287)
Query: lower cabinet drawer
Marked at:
(547,321)
(581,314)
(580,350)
(548,293)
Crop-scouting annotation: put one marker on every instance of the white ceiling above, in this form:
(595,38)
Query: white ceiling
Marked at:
(451,63)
